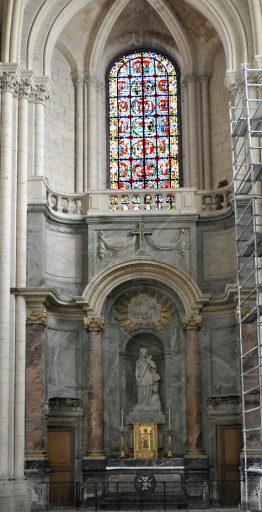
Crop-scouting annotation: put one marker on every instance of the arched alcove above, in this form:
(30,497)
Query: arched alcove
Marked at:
(143,313)
(151,341)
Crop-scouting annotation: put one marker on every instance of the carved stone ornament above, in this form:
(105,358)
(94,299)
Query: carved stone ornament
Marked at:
(94,324)
(93,81)
(65,407)
(36,316)
(41,93)
(149,309)
(9,82)
(142,234)
(105,246)
(179,243)
(192,322)
(25,89)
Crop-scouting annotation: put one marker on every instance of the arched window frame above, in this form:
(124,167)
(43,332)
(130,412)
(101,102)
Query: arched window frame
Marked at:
(178,113)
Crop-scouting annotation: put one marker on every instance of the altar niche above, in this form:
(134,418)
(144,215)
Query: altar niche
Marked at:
(145,393)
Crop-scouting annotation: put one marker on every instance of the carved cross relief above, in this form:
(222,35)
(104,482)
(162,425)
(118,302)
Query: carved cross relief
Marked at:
(140,233)
(143,237)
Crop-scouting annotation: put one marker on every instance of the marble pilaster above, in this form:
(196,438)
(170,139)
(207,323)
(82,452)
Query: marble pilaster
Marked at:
(192,325)
(95,406)
(251,382)
(35,384)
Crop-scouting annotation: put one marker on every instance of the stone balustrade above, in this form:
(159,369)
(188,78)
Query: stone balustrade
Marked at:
(119,202)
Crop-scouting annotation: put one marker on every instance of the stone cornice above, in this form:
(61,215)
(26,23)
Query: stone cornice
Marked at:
(50,299)
(226,303)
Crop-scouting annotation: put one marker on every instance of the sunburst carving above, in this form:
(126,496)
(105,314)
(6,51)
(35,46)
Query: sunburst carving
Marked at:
(144,309)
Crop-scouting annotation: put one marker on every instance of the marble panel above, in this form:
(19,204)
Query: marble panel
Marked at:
(64,256)
(166,239)
(36,249)
(224,360)
(62,363)
(219,254)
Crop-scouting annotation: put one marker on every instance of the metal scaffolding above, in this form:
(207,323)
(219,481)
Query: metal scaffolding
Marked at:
(246,131)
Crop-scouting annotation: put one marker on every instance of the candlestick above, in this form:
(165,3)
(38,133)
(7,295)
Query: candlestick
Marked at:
(169,419)
(169,452)
(122,418)
(122,444)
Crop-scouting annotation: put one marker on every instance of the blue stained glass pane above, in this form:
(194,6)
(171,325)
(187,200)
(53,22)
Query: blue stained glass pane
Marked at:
(144,133)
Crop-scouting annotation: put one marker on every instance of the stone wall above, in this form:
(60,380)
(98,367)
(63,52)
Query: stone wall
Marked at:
(67,256)
(219,124)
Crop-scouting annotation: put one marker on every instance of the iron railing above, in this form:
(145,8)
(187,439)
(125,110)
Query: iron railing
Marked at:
(166,495)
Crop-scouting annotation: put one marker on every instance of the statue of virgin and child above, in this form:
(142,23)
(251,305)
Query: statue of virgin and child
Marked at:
(147,380)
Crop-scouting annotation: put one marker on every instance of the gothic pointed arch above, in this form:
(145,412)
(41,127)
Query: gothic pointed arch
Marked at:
(226,20)
(172,23)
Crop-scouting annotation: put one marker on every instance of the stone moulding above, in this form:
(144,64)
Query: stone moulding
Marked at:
(144,267)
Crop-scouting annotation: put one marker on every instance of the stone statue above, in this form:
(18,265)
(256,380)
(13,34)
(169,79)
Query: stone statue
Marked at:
(147,379)
(148,406)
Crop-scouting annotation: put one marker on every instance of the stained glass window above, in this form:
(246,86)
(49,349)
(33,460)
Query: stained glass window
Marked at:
(143,122)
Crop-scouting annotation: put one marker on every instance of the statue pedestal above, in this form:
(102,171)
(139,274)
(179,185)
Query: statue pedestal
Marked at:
(145,415)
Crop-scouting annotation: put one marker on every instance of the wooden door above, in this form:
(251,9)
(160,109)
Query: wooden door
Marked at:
(61,462)
(228,461)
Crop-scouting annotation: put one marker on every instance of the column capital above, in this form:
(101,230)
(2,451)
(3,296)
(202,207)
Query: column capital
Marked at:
(94,81)
(192,322)
(79,79)
(242,312)
(191,78)
(36,316)
(41,94)
(206,76)
(9,82)
(42,90)
(94,323)
(25,89)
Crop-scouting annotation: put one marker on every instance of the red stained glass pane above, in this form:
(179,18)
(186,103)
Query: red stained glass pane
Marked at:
(144,139)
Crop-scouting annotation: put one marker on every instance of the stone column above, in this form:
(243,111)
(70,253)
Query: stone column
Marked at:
(94,142)
(192,325)
(186,134)
(95,406)
(205,79)
(8,85)
(41,96)
(192,81)
(25,92)
(101,136)
(79,84)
